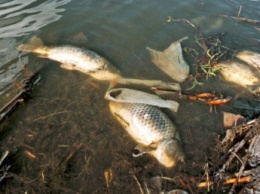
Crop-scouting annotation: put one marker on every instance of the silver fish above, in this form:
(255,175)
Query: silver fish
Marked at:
(241,74)
(250,57)
(151,129)
(74,58)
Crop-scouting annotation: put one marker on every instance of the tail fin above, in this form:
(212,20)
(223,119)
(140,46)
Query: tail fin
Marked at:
(33,44)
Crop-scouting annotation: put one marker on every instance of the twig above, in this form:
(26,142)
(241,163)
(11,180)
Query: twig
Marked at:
(245,20)
(50,115)
(29,154)
(139,185)
(69,156)
(242,19)
(240,8)
(3,157)
(5,173)
(170,179)
(202,44)
(228,181)
(27,85)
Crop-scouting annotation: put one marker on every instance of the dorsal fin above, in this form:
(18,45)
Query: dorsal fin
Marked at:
(35,41)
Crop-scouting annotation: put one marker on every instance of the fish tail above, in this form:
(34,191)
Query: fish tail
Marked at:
(32,46)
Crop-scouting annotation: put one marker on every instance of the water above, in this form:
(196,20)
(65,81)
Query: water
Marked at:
(68,113)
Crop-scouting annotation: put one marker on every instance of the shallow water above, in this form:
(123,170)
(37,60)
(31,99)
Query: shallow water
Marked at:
(68,108)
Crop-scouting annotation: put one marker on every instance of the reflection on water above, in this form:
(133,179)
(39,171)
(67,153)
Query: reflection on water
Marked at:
(21,17)
(10,65)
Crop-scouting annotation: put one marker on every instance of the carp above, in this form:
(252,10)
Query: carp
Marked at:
(241,74)
(250,57)
(73,58)
(154,132)
(243,70)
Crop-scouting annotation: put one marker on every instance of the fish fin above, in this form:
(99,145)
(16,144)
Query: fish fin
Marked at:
(36,41)
(68,66)
(32,45)
(141,149)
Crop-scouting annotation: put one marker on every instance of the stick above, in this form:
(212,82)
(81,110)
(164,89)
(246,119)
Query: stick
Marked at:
(228,181)
(242,19)
(3,157)
(5,173)
(149,83)
(246,20)
(12,101)
(69,156)
(12,104)
(240,8)
(139,185)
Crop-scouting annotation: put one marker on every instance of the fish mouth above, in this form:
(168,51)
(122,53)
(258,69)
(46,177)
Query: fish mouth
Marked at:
(169,152)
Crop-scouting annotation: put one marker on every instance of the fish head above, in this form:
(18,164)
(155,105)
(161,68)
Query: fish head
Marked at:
(107,72)
(168,152)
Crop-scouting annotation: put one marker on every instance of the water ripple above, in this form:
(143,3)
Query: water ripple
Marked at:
(20,17)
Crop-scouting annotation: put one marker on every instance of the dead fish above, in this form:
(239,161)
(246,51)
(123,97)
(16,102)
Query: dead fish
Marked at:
(154,132)
(250,57)
(241,74)
(74,58)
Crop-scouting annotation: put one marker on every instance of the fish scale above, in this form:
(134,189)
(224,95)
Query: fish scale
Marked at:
(150,122)
(84,59)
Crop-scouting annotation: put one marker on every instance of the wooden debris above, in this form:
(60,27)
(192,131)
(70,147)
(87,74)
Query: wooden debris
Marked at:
(30,154)
(243,19)
(27,85)
(108,174)
(3,157)
(228,181)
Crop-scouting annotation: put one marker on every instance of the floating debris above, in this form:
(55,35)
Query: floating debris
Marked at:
(211,99)
(171,61)
(25,88)
(135,96)
(231,120)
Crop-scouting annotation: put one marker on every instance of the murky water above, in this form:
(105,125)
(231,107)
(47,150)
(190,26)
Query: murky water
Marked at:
(68,114)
